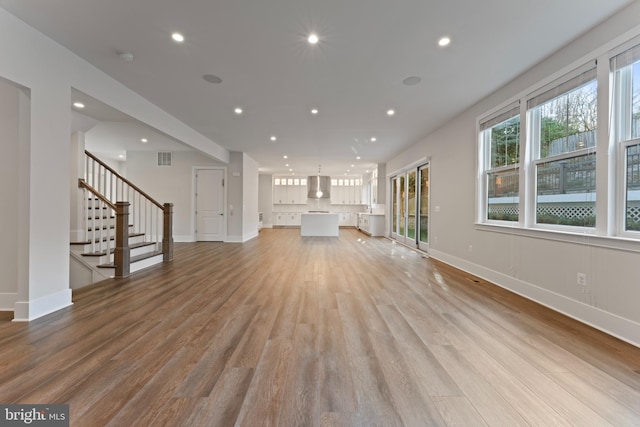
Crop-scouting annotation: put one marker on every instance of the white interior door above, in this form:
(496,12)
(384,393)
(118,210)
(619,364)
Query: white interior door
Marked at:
(210,205)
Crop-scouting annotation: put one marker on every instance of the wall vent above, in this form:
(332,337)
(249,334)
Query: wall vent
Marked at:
(164,158)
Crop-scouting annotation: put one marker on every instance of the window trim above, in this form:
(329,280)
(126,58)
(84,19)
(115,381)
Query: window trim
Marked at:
(610,154)
(621,196)
(573,80)
(488,121)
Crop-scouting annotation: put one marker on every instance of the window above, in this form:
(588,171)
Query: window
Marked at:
(500,137)
(563,136)
(544,178)
(626,77)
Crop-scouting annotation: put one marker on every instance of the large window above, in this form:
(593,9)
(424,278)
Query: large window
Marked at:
(543,176)
(563,134)
(626,69)
(500,136)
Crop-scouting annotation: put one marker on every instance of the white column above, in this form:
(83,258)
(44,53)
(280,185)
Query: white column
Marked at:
(77,223)
(44,205)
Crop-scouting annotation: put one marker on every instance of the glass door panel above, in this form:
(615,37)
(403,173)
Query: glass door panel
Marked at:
(403,206)
(395,212)
(411,207)
(423,242)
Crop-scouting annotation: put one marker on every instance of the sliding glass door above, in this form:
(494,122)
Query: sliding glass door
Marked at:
(423,206)
(410,207)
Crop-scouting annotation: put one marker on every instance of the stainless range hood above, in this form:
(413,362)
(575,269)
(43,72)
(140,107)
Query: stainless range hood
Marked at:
(318,187)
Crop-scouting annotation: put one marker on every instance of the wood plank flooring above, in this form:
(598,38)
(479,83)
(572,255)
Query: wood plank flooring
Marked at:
(315,331)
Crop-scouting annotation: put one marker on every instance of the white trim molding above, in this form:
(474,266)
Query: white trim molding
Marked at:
(25,311)
(614,325)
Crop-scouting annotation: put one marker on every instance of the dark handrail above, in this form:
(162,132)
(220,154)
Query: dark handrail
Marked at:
(101,163)
(83,184)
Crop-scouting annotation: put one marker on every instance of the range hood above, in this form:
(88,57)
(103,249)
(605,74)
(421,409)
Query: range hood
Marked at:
(318,187)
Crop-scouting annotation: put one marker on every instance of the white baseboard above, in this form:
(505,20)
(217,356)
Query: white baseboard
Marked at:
(187,238)
(25,311)
(612,324)
(8,301)
(233,239)
(248,237)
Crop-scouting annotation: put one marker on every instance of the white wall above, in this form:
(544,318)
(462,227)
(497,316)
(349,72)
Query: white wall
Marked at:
(265,199)
(170,184)
(242,198)
(250,187)
(234,197)
(9,173)
(533,265)
(49,71)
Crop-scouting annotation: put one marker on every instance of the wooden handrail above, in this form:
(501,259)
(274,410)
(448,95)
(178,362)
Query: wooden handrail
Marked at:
(83,184)
(129,183)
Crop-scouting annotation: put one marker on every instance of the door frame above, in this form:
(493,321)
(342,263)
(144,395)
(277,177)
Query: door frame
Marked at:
(193,215)
(413,167)
(421,245)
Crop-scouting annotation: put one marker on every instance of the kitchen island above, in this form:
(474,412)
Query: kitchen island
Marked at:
(319,224)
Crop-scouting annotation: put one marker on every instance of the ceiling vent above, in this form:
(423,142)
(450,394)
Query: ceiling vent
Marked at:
(164,158)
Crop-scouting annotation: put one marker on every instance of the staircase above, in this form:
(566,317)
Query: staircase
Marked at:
(126,230)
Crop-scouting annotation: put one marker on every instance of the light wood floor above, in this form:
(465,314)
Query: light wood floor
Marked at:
(294,331)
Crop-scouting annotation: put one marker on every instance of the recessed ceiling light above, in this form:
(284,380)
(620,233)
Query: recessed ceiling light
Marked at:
(144,140)
(285,157)
(314,111)
(358,158)
(177,37)
(286,165)
(273,138)
(352,166)
(374,139)
(238,110)
(78,104)
(444,41)
(121,156)
(411,81)
(348,170)
(290,170)
(212,79)
(313,38)
(391,112)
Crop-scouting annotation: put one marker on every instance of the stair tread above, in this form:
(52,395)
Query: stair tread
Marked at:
(132,246)
(105,227)
(88,242)
(134,259)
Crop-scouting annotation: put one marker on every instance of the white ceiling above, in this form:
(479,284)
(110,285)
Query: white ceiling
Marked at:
(353,75)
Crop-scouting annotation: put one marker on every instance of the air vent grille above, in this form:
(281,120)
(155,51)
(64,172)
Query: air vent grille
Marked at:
(164,158)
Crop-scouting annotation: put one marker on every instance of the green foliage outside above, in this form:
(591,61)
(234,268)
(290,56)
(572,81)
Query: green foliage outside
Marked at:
(632,224)
(546,218)
(551,130)
(505,143)
(499,216)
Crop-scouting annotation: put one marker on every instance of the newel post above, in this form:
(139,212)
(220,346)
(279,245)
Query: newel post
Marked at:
(122,252)
(167,232)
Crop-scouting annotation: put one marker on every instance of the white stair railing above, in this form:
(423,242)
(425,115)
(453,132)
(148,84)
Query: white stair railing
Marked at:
(147,216)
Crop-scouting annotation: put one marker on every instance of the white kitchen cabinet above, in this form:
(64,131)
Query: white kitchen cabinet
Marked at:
(346,219)
(293,219)
(346,191)
(279,218)
(289,191)
(286,219)
(371,224)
